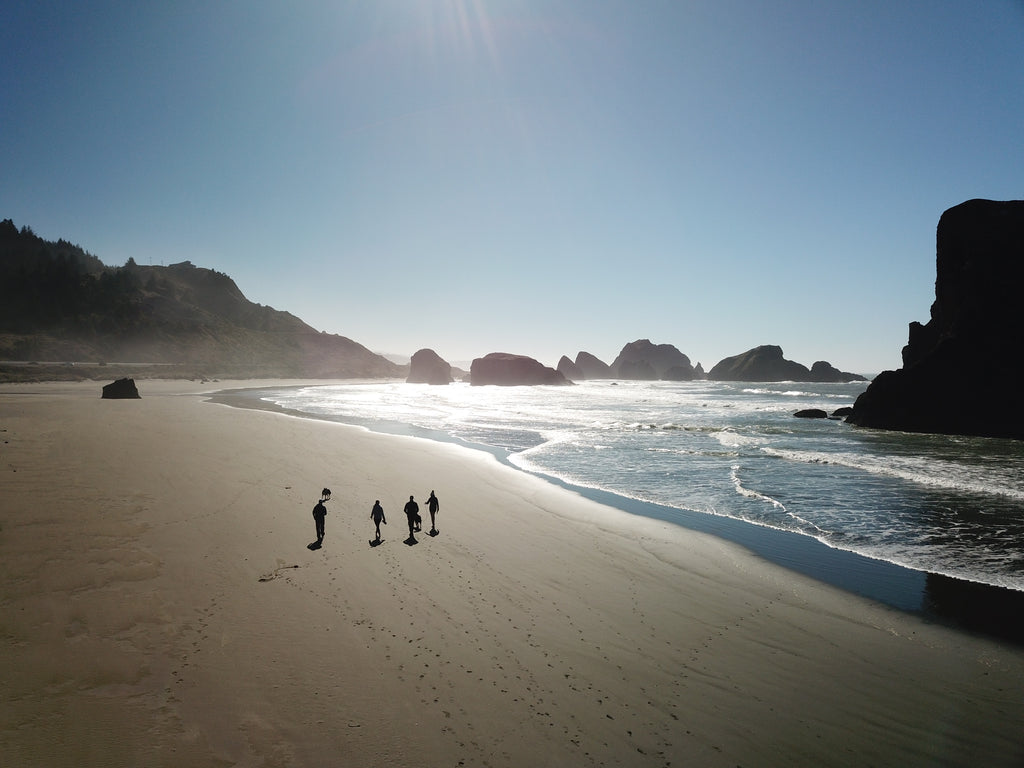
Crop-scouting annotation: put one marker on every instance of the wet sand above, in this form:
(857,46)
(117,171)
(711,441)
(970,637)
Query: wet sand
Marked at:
(159,606)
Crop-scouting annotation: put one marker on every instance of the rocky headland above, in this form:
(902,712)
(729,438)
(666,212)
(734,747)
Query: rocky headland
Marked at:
(60,303)
(961,370)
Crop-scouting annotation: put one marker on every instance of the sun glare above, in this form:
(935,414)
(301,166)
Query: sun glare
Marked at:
(461,25)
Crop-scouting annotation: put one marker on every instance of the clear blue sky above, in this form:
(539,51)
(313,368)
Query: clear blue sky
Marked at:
(529,176)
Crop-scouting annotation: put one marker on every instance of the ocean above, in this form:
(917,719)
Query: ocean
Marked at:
(891,515)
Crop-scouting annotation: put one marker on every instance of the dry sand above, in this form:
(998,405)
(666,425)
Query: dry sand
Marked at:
(159,607)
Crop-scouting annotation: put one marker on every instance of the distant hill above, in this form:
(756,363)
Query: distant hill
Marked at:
(61,303)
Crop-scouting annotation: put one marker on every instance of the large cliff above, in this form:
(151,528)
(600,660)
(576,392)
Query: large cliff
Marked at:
(961,370)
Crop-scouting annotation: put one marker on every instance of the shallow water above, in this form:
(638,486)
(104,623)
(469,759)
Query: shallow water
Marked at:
(689,450)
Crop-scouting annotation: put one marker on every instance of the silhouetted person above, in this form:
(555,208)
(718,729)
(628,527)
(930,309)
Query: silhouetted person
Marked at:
(319,516)
(412,512)
(432,506)
(377,515)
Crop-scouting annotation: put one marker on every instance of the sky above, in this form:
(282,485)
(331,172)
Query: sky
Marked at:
(537,177)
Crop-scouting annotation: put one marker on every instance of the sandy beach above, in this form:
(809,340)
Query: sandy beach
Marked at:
(159,607)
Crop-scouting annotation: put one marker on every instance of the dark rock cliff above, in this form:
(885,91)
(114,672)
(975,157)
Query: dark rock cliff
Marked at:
(961,370)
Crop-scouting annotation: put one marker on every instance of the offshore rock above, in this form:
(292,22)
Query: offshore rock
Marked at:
(427,367)
(644,361)
(826,373)
(593,367)
(811,413)
(764,363)
(122,389)
(638,370)
(570,370)
(679,373)
(505,369)
(965,361)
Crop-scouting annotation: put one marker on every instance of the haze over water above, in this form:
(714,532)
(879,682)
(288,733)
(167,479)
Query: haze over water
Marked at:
(934,503)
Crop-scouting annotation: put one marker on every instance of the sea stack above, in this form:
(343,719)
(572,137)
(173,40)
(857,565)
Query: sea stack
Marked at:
(644,361)
(766,363)
(427,367)
(592,366)
(512,370)
(569,369)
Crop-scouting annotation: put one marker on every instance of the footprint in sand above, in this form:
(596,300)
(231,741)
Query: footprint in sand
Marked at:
(276,572)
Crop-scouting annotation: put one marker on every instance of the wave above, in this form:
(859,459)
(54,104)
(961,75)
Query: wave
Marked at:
(647,426)
(731,439)
(742,490)
(803,525)
(797,393)
(932,472)
(692,452)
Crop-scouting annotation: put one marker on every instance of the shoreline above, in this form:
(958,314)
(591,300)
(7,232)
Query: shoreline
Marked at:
(960,603)
(159,606)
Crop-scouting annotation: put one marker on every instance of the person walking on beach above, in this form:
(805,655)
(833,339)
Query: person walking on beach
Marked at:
(412,512)
(432,506)
(377,515)
(319,516)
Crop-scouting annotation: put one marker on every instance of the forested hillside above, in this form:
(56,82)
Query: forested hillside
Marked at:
(59,303)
